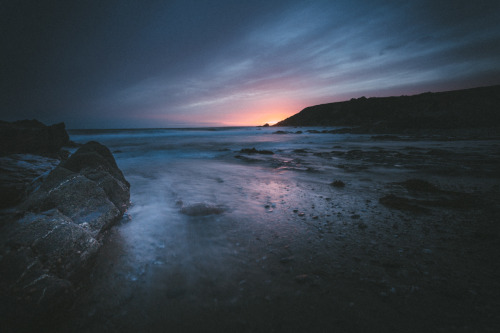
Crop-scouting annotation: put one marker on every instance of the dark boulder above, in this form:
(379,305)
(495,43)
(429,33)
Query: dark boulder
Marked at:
(77,197)
(43,253)
(49,245)
(97,163)
(202,209)
(20,174)
(337,183)
(32,137)
(88,187)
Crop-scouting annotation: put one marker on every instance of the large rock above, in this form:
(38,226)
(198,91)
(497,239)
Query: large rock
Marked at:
(32,137)
(88,187)
(20,174)
(52,242)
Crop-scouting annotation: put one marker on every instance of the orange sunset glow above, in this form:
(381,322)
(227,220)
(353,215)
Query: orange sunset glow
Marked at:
(253,118)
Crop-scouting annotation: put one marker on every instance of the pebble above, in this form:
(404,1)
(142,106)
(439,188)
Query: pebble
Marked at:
(302,278)
(286,260)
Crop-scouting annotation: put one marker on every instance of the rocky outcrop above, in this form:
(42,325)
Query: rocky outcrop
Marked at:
(32,137)
(20,174)
(459,109)
(56,234)
(28,150)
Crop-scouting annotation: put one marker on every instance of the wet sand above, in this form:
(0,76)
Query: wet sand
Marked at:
(289,252)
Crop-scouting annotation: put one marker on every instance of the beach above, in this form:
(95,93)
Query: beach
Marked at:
(330,232)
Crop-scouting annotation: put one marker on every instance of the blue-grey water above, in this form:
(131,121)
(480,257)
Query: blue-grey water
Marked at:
(162,267)
(217,240)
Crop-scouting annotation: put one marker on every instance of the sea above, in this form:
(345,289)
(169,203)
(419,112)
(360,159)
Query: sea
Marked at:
(224,236)
(196,236)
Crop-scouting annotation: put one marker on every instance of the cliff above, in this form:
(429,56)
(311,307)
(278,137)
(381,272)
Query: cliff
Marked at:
(469,108)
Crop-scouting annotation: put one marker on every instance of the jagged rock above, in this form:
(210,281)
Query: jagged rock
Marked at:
(77,197)
(32,137)
(20,174)
(88,188)
(96,163)
(63,246)
(44,253)
(28,288)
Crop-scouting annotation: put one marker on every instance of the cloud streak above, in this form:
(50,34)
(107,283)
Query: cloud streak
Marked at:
(188,63)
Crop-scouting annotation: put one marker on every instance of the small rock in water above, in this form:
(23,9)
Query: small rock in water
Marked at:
(362,225)
(202,209)
(338,183)
(255,151)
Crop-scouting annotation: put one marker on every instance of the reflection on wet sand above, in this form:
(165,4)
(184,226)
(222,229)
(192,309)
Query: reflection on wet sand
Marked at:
(272,245)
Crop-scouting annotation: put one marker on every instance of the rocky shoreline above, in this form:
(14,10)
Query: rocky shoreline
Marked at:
(311,232)
(52,231)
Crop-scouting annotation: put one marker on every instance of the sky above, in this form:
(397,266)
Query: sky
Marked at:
(140,64)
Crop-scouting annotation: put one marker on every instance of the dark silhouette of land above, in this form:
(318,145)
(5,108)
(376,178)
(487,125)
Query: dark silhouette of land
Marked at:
(32,137)
(459,109)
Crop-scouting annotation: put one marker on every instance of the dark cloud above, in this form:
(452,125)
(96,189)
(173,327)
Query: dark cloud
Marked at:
(164,63)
